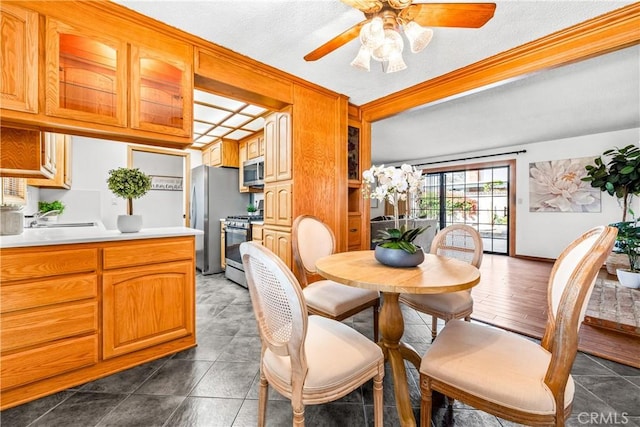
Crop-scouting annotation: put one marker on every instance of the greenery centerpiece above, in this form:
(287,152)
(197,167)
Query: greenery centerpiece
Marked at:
(251,209)
(395,185)
(129,184)
(56,205)
(617,172)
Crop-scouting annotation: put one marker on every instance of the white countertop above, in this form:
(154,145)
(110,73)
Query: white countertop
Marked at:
(63,236)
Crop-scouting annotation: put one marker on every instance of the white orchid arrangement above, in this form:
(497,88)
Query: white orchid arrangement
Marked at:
(394,185)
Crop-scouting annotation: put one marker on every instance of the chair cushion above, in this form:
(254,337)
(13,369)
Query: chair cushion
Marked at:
(493,364)
(336,355)
(453,302)
(334,299)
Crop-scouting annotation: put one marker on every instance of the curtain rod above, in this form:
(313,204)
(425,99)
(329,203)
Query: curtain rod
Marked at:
(470,158)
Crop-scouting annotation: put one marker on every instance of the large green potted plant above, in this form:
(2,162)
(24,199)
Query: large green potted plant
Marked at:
(395,246)
(617,173)
(129,184)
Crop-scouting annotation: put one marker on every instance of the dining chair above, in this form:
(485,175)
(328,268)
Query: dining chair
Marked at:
(456,241)
(313,239)
(511,376)
(308,359)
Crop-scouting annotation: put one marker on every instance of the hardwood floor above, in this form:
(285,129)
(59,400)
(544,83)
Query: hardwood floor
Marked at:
(512,294)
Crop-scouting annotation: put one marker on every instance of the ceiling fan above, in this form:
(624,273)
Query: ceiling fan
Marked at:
(379,33)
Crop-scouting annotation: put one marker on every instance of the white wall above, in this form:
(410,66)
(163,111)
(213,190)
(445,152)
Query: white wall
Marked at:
(545,234)
(89,198)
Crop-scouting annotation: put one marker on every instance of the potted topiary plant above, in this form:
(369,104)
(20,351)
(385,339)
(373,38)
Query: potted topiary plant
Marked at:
(619,176)
(129,184)
(251,209)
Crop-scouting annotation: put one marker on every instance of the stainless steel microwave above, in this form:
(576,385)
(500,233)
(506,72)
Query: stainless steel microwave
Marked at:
(253,172)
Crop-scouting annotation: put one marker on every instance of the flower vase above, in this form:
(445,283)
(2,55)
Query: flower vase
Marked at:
(398,257)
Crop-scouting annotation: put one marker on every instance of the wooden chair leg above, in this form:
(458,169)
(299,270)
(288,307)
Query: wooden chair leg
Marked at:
(378,408)
(425,401)
(467,318)
(376,309)
(434,327)
(263,397)
(298,416)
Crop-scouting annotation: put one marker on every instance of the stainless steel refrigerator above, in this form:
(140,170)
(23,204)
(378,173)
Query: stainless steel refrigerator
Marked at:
(214,196)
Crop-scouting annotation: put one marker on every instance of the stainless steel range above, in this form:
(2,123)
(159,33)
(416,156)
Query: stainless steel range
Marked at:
(237,231)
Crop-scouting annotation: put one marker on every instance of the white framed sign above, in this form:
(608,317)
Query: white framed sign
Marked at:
(169,183)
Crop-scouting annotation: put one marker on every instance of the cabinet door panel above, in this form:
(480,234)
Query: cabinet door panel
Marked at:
(86,75)
(270,203)
(132,254)
(284,165)
(161,91)
(19,65)
(145,306)
(284,201)
(43,362)
(270,148)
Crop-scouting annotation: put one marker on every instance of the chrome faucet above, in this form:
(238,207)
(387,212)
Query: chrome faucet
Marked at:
(38,217)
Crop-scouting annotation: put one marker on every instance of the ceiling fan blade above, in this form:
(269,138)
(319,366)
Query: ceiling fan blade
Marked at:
(366,6)
(467,15)
(335,42)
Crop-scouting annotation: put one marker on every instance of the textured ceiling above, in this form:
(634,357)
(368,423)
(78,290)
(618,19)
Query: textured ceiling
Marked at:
(280,32)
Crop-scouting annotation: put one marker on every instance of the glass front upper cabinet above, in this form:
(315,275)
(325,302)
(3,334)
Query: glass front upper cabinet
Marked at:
(86,75)
(161,90)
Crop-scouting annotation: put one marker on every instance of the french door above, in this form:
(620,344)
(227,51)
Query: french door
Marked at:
(476,197)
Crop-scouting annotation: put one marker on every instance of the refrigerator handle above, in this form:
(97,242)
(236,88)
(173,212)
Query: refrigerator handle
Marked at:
(194,201)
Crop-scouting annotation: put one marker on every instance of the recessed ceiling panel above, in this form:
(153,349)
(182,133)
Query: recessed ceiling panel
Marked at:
(253,110)
(236,120)
(218,101)
(238,134)
(255,125)
(210,115)
(219,131)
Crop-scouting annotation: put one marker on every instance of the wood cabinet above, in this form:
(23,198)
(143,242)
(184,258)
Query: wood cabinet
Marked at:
(86,74)
(162,89)
(224,153)
(95,74)
(279,242)
(74,313)
(257,231)
(63,152)
(27,153)
(242,157)
(255,146)
(354,235)
(19,65)
(278,204)
(277,147)
(49,305)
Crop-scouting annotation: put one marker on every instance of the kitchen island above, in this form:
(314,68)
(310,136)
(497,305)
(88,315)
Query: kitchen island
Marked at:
(78,304)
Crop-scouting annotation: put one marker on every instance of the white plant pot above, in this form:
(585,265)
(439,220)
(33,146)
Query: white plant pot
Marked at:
(129,223)
(629,279)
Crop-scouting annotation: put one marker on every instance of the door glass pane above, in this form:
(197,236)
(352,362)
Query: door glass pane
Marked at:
(87,75)
(476,197)
(160,93)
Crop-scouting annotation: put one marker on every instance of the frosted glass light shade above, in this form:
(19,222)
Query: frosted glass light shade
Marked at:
(392,44)
(396,63)
(419,37)
(363,59)
(372,33)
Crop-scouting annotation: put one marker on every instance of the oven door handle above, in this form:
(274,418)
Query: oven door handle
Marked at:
(236,230)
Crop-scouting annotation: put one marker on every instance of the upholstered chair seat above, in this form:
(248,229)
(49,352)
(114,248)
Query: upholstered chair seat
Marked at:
(494,365)
(335,299)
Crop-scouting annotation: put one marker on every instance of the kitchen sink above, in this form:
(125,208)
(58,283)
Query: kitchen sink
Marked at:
(64,224)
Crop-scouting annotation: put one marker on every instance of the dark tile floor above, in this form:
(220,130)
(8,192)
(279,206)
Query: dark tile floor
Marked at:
(214,384)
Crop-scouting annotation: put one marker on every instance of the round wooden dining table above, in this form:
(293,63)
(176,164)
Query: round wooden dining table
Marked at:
(437,274)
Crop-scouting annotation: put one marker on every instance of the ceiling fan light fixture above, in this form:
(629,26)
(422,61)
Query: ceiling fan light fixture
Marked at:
(396,63)
(363,59)
(372,33)
(419,37)
(393,44)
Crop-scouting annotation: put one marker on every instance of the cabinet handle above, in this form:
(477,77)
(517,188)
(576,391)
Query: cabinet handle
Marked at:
(353,230)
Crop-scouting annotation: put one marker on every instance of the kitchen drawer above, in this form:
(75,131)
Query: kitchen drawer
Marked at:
(25,329)
(149,252)
(47,361)
(353,237)
(46,292)
(23,264)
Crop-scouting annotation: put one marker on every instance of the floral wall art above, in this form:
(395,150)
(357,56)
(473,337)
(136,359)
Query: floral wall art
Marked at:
(556,186)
